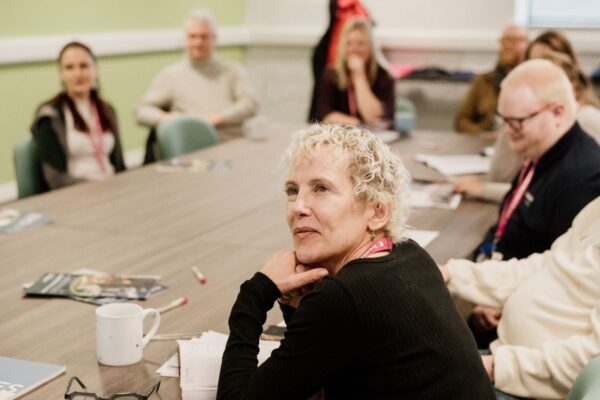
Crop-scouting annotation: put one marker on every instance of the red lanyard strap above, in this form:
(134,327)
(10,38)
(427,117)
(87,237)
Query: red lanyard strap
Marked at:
(352,106)
(96,134)
(525,177)
(382,244)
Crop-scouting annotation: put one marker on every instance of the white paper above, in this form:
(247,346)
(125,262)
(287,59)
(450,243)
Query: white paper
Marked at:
(422,237)
(434,195)
(170,368)
(199,361)
(387,136)
(457,164)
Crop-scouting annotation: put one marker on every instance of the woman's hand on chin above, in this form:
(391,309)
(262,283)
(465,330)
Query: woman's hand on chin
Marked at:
(292,279)
(356,64)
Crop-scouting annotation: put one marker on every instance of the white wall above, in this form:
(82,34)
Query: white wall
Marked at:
(460,34)
(451,34)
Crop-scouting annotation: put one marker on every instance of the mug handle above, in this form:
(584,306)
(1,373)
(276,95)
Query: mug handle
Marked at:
(153,328)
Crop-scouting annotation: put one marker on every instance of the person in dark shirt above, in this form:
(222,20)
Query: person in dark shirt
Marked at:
(379,322)
(358,90)
(476,112)
(560,175)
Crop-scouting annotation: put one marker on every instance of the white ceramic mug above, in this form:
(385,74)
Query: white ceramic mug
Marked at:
(120,336)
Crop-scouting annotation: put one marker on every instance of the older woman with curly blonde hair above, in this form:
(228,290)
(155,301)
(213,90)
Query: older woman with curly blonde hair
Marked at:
(378,321)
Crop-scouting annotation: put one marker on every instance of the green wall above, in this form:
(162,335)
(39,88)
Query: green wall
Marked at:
(123,79)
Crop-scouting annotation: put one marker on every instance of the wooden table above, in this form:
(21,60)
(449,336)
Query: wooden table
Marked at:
(150,222)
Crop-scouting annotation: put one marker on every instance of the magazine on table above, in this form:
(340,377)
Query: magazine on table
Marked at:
(12,220)
(193,165)
(91,286)
(18,377)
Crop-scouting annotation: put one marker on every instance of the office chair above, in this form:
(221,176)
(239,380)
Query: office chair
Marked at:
(178,136)
(28,169)
(587,384)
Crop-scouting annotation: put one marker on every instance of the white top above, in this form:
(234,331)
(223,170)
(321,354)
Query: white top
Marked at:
(550,325)
(81,158)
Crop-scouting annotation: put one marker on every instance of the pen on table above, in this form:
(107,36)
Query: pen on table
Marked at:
(199,275)
(180,301)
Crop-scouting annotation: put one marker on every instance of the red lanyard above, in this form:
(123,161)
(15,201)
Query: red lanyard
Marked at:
(382,244)
(96,134)
(352,107)
(515,198)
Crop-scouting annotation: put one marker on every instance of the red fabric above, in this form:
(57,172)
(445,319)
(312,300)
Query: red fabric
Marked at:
(346,10)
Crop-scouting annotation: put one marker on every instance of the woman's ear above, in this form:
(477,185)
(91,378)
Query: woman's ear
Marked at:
(381,214)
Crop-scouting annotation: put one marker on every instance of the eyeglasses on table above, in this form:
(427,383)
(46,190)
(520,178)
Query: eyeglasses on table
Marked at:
(85,395)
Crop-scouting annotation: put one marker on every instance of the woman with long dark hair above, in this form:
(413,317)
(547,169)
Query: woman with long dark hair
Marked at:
(76,131)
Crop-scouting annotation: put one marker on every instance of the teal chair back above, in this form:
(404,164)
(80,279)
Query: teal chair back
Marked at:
(178,136)
(587,384)
(405,115)
(28,169)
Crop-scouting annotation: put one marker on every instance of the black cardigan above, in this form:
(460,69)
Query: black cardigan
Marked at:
(382,328)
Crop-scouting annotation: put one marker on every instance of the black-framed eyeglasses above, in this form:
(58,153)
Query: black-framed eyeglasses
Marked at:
(85,395)
(517,123)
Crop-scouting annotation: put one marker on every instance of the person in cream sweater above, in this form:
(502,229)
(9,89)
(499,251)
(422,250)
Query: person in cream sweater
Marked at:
(550,323)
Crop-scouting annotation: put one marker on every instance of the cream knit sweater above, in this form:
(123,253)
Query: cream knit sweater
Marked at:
(200,89)
(550,325)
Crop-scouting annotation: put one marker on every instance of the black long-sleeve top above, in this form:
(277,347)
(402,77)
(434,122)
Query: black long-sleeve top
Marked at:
(382,328)
(331,98)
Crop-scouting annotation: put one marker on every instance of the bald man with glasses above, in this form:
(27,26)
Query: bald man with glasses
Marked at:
(561,172)
(559,177)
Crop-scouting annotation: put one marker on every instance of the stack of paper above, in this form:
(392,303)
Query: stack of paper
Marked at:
(200,363)
(387,136)
(422,237)
(457,164)
(434,195)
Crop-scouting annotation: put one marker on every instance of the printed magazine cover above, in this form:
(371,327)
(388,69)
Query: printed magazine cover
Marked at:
(12,220)
(18,377)
(91,286)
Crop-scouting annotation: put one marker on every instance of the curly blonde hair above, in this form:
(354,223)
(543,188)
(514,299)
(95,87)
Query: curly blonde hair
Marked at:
(378,174)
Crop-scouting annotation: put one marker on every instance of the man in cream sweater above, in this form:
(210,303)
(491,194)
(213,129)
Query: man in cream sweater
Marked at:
(550,325)
(201,85)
